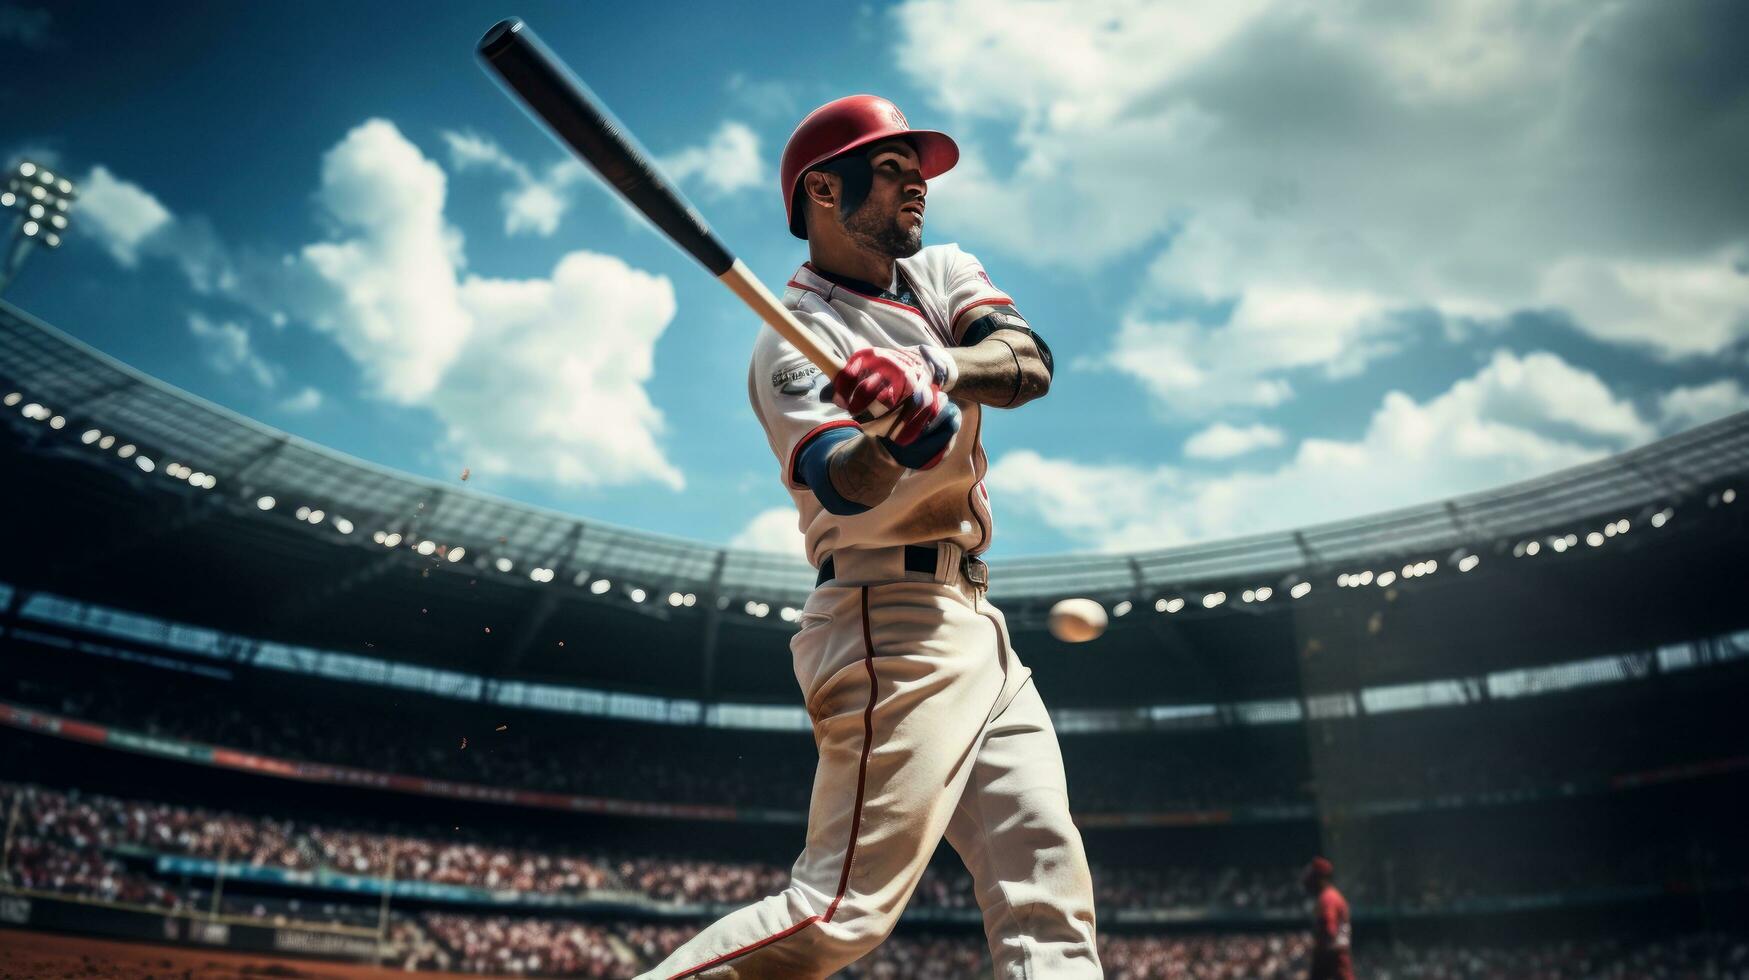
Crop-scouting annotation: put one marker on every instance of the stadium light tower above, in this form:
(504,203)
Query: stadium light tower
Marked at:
(43,203)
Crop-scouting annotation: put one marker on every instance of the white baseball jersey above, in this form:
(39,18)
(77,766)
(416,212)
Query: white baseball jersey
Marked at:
(945,503)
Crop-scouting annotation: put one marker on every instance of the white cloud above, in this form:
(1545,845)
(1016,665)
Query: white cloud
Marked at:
(304,402)
(132,224)
(400,315)
(120,214)
(1516,418)
(1685,408)
(725,163)
(1223,441)
(540,378)
(1706,299)
(1356,161)
(536,202)
(229,350)
(774,529)
(551,382)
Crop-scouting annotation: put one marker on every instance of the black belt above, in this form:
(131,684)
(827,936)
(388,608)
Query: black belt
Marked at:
(918,558)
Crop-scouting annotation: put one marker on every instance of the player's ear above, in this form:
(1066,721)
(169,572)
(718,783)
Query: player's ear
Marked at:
(822,188)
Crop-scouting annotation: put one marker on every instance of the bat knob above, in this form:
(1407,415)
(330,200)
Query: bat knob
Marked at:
(498,38)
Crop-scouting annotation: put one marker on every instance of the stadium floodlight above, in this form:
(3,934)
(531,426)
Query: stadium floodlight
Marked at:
(429,546)
(42,201)
(316,516)
(1213,599)
(788,614)
(1342,580)
(266,503)
(303,513)
(1729,495)
(58,422)
(456,553)
(638,595)
(675,599)
(144,463)
(126,450)
(1386,577)
(504,565)
(1468,562)
(688,599)
(600,586)
(12,398)
(392,539)
(1174,604)
(1594,539)
(1531,548)
(90,436)
(1264,592)
(1301,590)
(1122,608)
(379,537)
(1247,596)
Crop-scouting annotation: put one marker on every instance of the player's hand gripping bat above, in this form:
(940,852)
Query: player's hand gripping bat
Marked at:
(566,106)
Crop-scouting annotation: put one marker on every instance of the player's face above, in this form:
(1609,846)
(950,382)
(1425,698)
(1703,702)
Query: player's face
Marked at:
(890,220)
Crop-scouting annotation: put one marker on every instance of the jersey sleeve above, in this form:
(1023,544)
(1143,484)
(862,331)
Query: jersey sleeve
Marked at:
(784,388)
(968,287)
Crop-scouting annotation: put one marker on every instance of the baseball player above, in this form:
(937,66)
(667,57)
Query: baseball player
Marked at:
(1330,928)
(927,723)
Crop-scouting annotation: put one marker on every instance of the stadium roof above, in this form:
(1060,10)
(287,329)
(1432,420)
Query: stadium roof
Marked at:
(91,390)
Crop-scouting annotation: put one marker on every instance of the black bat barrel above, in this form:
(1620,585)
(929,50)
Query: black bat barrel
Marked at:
(560,101)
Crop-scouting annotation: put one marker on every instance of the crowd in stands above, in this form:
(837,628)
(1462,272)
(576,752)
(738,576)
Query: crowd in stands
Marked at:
(1493,748)
(67,841)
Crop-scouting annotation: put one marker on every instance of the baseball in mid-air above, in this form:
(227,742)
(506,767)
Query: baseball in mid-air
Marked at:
(1077,620)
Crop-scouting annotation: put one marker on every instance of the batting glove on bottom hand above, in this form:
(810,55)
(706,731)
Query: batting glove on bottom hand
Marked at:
(930,429)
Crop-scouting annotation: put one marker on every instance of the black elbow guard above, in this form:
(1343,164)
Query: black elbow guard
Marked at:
(1006,317)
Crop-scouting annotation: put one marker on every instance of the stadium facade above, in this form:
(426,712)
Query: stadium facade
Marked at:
(258,688)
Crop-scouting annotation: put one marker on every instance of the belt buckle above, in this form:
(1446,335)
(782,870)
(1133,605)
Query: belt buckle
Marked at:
(977,573)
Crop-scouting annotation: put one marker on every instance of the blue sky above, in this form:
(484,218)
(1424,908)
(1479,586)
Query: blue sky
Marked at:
(1297,261)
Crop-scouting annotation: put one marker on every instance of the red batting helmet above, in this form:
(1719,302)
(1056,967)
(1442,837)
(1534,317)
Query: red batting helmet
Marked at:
(845,124)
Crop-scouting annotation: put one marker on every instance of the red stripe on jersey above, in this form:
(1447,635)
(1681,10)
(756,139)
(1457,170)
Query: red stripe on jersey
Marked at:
(974,304)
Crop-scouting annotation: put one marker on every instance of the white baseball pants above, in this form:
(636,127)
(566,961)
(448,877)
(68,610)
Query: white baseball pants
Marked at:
(927,724)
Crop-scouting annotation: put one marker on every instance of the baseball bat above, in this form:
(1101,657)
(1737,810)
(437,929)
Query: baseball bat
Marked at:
(558,99)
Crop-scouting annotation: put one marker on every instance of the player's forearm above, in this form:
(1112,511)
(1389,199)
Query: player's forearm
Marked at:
(862,471)
(1004,370)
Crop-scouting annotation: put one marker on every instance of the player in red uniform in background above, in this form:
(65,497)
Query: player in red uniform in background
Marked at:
(1330,930)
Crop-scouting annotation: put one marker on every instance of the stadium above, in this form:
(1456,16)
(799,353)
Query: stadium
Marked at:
(266,699)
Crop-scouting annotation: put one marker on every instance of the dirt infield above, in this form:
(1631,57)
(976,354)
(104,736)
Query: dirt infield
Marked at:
(37,954)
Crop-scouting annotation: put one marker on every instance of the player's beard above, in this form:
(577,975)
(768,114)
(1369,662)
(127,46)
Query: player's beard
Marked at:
(882,233)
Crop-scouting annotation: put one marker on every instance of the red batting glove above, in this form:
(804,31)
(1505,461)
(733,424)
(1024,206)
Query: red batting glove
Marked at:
(893,379)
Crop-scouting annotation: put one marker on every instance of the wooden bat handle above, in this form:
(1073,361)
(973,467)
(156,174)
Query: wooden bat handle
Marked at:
(744,284)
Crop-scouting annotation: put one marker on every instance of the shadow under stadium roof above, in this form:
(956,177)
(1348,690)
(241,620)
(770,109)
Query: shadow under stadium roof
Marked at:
(251,460)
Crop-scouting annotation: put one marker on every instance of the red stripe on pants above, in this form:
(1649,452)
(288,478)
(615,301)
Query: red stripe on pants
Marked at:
(855,817)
